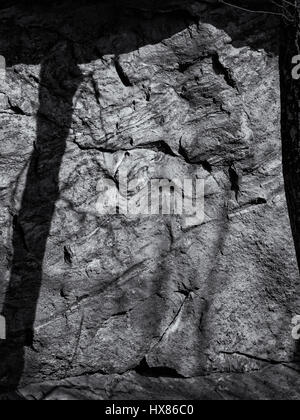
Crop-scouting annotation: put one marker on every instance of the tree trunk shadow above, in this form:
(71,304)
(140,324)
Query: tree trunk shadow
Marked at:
(59,80)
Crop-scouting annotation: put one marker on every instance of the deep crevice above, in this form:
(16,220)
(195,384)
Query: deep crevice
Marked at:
(68,255)
(204,163)
(258,201)
(235,181)
(220,69)
(144,369)
(159,146)
(121,73)
(16,109)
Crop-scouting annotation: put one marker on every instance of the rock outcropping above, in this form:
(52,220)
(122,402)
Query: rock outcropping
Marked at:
(144,306)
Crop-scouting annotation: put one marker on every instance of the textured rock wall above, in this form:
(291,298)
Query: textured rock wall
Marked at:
(186,90)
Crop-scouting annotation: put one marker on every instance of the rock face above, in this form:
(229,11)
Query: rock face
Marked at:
(186,90)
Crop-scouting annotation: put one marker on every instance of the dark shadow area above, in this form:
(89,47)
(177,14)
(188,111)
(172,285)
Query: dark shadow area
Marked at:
(290,133)
(159,372)
(80,37)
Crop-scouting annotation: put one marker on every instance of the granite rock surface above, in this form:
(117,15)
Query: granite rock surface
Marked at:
(137,305)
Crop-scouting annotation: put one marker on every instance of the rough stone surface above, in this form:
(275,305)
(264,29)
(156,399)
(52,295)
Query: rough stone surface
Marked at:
(139,307)
(264,384)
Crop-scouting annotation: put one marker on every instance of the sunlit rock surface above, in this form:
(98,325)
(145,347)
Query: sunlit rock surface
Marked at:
(145,306)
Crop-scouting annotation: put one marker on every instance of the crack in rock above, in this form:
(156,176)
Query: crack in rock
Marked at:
(143,369)
(121,73)
(220,69)
(258,359)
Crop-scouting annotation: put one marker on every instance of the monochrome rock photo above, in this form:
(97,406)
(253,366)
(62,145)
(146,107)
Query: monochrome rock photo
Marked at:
(149,202)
